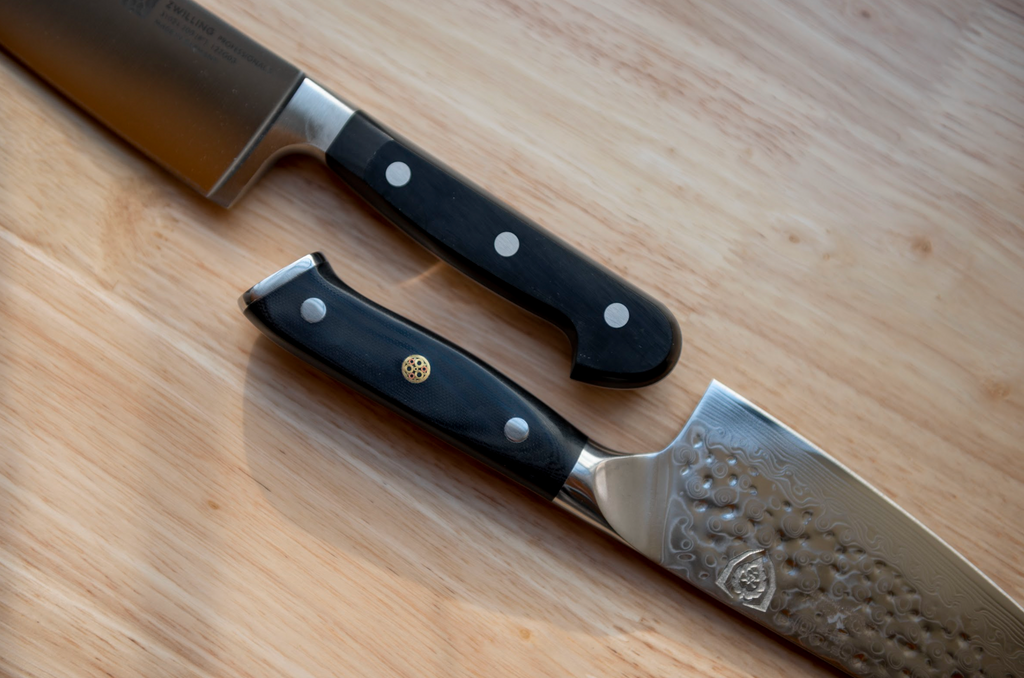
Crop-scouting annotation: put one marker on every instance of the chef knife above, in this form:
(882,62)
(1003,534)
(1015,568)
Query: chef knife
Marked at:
(216,109)
(738,505)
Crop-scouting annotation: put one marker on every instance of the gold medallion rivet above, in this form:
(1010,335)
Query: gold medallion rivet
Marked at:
(416,369)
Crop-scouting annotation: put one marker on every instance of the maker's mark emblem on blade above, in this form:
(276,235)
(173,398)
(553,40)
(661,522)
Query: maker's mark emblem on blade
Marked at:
(750,579)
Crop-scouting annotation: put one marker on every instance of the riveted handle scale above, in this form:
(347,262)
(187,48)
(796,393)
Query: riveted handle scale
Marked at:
(620,337)
(419,375)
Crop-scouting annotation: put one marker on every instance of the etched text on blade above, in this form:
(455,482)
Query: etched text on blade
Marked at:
(767,523)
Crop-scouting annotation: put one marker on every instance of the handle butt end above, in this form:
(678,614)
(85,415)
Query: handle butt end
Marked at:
(642,350)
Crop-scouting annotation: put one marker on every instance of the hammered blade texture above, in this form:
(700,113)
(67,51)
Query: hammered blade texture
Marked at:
(764,521)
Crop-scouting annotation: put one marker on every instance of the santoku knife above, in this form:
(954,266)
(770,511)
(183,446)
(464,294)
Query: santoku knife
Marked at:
(216,109)
(738,505)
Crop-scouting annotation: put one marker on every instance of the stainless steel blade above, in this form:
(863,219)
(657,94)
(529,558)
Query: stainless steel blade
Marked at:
(196,95)
(746,510)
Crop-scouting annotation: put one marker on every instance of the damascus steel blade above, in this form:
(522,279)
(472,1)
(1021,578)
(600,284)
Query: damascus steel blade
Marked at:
(746,510)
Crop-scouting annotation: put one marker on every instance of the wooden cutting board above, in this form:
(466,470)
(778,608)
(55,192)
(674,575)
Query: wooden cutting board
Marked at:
(828,195)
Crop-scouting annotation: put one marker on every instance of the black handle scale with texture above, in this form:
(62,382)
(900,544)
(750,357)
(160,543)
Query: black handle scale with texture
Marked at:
(462,225)
(461,400)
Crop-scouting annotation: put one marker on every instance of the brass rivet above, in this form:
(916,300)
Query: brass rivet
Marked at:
(416,369)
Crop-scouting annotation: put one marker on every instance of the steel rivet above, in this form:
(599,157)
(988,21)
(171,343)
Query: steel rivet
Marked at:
(517,430)
(313,310)
(506,244)
(398,174)
(616,315)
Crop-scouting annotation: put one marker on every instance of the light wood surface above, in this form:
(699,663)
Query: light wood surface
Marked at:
(828,195)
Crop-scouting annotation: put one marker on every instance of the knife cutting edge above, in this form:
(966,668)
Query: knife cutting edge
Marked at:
(738,505)
(217,109)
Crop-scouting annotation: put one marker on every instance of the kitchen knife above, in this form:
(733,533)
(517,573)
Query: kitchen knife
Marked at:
(217,109)
(738,505)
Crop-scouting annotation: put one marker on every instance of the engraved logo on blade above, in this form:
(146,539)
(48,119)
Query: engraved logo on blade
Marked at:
(750,579)
(140,7)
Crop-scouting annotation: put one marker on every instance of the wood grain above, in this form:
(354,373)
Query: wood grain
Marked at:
(829,195)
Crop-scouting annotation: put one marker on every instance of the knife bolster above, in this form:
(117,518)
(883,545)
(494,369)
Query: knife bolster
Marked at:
(307,123)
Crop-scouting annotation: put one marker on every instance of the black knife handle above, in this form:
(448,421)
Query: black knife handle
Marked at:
(414,372)
(513,256)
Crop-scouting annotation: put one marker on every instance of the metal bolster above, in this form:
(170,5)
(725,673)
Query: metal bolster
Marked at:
(579,494)
(308,123)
